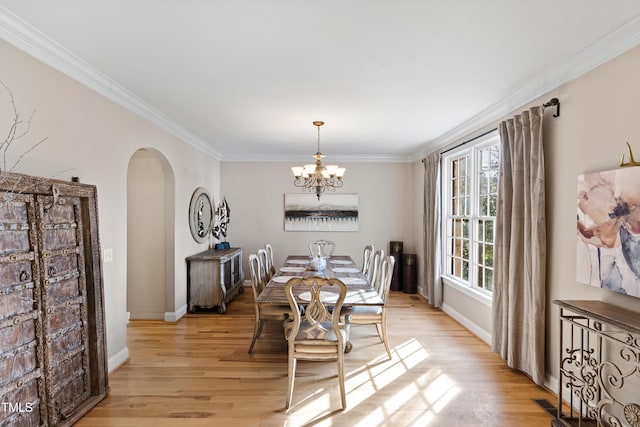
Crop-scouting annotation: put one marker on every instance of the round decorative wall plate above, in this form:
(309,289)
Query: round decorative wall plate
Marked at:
(200,214)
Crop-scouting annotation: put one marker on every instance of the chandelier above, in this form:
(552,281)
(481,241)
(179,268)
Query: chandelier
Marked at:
(317,177)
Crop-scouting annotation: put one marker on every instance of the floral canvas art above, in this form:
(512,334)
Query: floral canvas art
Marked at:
(608,230)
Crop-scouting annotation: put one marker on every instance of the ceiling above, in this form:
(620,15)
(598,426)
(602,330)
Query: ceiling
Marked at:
(244,80)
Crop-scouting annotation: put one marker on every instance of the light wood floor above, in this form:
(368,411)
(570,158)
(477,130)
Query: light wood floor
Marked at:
(197,373)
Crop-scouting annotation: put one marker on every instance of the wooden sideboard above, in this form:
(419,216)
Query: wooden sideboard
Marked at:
(599,365)
(214,278)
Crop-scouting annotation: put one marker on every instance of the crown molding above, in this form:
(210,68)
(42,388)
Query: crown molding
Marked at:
(613,44)
(334,159)
(25,37)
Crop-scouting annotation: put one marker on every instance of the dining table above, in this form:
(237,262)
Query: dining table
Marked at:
(342,267)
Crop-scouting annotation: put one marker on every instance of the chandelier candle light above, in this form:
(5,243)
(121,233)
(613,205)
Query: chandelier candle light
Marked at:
(317,177)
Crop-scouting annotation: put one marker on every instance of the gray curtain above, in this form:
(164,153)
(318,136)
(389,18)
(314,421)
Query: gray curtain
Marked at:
(520,252)
(431,218)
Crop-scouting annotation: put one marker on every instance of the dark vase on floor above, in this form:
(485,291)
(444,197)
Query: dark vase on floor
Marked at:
(409,283)
(395,250)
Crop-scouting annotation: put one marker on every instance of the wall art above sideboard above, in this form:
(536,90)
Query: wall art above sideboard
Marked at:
(334,212)
(608,230)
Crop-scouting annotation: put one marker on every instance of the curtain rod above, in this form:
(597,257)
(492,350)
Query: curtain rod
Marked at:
(469,140)
(553,102)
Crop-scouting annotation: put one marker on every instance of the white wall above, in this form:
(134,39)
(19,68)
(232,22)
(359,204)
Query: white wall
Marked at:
(146,225)
(600,112)
(91,137)
(255,192)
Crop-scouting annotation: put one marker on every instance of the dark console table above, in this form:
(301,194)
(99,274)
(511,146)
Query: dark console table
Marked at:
(599,365)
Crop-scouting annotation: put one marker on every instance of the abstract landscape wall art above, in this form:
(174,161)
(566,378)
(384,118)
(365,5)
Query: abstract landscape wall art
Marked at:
(333,212)
(608,230)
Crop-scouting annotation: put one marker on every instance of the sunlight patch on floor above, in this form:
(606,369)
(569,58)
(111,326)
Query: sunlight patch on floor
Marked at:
(411,353)
(373,419)
(429,392)
(313,406)
(423,420)
(401,397)
(440,391)
(380,374)
(389,375)
(358,394)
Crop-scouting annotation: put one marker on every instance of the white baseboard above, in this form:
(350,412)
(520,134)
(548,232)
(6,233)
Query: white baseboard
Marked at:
(464,321)
(146,315)
(118,359)
(551,382)
(174,316)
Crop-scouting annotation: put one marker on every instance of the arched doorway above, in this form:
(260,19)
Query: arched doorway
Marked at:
(150,236)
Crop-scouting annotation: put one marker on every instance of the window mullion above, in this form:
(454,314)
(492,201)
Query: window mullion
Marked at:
(474,214)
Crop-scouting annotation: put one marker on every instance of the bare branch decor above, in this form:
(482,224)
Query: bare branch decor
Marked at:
(18,129)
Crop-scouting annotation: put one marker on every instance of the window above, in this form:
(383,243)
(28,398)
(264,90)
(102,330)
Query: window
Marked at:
(470,200)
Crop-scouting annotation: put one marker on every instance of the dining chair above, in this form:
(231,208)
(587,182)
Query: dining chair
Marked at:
(316,334)
(375,315)
(373,275)
(367,257)
(264,263)
(263,312)
(270,266)
(321,248)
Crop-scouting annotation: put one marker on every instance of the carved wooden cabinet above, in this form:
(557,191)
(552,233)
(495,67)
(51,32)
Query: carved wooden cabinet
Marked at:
(214,278)
(53,360)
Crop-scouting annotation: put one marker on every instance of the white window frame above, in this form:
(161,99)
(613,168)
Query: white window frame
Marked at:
(471,149)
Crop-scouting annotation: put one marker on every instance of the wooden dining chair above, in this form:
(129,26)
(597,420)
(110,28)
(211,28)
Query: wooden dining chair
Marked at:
(373,275)
(375,315)
(367,258)
(321,248)
(316,333)
(263,312)
(270,266)
(264,263)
